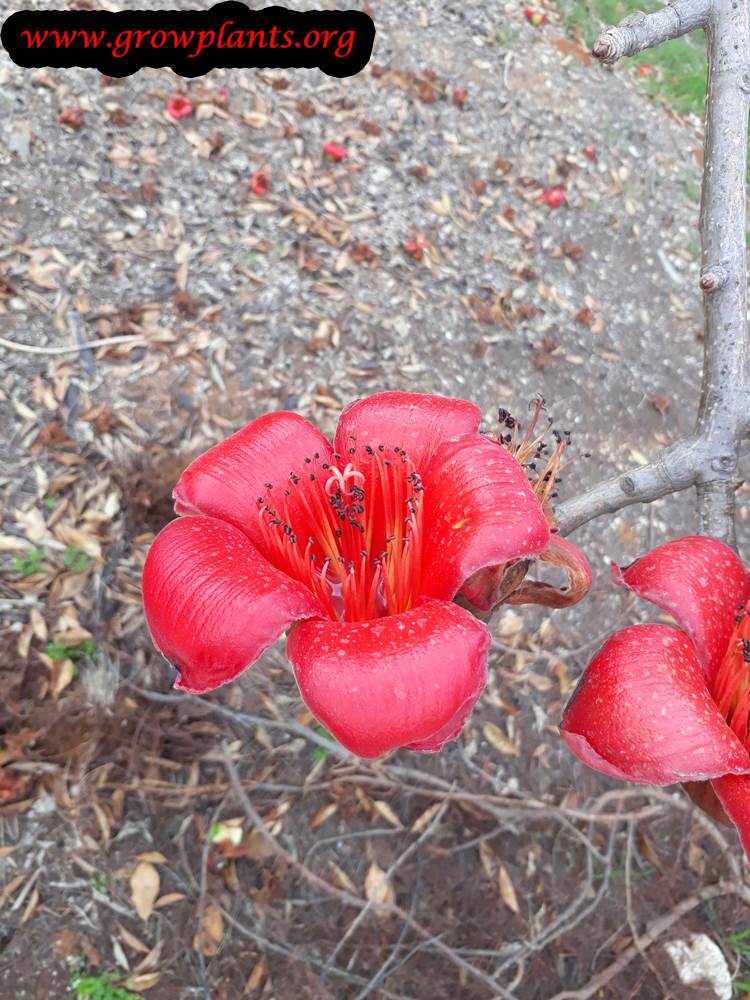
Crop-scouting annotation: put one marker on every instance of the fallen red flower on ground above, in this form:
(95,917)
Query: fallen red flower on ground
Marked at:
(259,183)
(179,107)
(554,197)
(335,151)
(364,545)
(72,117)
(534,17)
(660,704)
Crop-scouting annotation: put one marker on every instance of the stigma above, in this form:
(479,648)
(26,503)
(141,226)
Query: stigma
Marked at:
(351,530)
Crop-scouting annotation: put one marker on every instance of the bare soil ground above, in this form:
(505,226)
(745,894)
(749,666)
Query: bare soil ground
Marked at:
(516,872)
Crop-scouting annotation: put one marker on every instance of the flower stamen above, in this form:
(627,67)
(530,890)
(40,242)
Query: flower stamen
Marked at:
(731,686)
(363,522)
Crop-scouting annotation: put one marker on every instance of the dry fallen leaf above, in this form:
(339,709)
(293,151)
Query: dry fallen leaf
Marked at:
(507,892)
(211,935)
(378,888)
(497,738)
(145,982)
(342,879)
(425,818)
(256,977)
(131,940)
(324,813)
(144,888)
(387,813)
(171,897)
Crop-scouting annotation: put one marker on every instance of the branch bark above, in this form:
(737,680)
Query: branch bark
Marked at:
(640,31)
(708,460)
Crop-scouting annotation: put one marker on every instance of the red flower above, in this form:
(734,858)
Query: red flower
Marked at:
(72,117)
(364,545)
(534,17)
(334,151)
(554,197)
(660,704)
(259,183)
(460,97)
(179,107)
(416,248)
(590,152)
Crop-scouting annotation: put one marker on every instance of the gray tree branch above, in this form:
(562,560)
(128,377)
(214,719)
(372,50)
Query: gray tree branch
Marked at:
(640,31)
(708,460)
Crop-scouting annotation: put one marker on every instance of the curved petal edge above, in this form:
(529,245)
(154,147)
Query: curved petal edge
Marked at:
(733,791)
(227,480)
(409,679)
(415,421)
(213,604)
(480,512)
(681,577)
(642,712)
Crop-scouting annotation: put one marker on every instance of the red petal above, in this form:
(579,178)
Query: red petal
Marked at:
(734,794)
(560,552)
(213,603)
(414,421)
(479,511)
(404,680)
(700,582)
(227,480)
(642,712)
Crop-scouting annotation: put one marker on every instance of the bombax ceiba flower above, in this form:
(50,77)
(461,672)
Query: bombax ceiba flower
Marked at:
(360,549)
(661,704)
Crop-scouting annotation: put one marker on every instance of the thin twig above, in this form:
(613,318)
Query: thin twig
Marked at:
(343,895)
(385,880)
(576,912)
(245,720)
(293,955)
(654,930)
(91,345)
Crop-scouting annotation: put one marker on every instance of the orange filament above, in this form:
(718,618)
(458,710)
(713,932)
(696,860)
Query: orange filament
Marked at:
(731,686)
(351,532)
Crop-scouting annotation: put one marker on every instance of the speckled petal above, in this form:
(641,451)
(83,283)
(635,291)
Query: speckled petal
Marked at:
(479,511)
(414,421)
(404,680)
(227,480)
(700,582)
(213,603)
(642,712)
(734,794)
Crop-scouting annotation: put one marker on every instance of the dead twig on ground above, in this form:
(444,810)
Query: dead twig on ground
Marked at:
(654,931)
(134,340)
(386,878)
(346,897)
(293,955)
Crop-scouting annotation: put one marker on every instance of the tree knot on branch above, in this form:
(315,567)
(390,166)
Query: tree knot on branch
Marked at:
(713,277)
(614,43)
(640,31)
(724,463)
